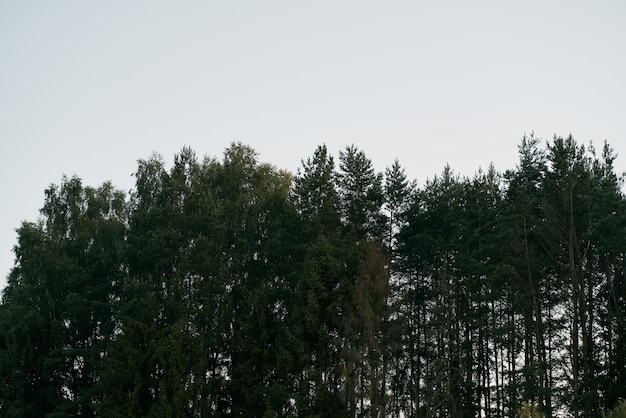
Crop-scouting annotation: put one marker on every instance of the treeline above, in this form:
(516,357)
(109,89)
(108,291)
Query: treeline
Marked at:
(232,288)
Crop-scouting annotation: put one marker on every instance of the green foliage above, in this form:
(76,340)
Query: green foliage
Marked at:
(60,289)
(230,288)
(361,192)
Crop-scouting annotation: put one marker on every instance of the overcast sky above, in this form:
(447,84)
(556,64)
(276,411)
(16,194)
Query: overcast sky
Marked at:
(87,88)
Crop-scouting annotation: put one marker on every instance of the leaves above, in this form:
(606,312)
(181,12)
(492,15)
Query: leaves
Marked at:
(230,287)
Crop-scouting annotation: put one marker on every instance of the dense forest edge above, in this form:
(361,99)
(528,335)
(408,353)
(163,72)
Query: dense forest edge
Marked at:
(233,288)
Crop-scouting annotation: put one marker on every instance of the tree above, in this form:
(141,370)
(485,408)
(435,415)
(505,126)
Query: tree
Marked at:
(397,194)
(568,187)
(608,231)
(361,192)
(314,192)
(225,287)
(371,292)
(429,245)
(67,268)
(320,292)
(532,291)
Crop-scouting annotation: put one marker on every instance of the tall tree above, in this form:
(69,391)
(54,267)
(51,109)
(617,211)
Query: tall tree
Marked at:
(568,190)
(315,194)
(362,198)
(397,194)
(531,288)
(320,288)
(255,206)
(608,230)
(68,267)
(224,288)
(429,245)
(361,193)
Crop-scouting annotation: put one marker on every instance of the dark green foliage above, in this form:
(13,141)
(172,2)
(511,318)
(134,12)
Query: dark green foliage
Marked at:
(57,312)
(229,288)
(361,191)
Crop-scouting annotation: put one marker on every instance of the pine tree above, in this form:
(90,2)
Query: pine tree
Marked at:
(531,286)
(361,192)
(608,230)
(319,288)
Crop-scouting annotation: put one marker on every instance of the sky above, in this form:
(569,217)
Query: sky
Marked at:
(88,88)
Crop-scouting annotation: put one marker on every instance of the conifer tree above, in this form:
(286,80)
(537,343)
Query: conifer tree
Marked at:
(319,293)
(227,287)
(361,192)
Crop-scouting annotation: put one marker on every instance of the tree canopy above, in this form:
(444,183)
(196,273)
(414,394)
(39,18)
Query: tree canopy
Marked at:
(233,288)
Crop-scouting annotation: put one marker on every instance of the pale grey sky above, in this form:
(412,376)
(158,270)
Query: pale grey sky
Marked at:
(87,88)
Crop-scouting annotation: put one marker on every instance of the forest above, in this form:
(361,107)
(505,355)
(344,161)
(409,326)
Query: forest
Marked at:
(229,287)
